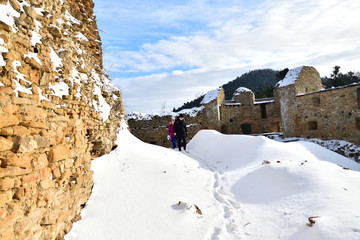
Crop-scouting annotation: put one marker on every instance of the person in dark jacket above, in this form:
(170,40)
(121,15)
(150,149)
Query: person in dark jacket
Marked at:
(180,131)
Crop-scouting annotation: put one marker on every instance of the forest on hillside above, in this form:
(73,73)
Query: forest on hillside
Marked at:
(262,82)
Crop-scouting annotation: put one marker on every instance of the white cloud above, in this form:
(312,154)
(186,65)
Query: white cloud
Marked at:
(272,34)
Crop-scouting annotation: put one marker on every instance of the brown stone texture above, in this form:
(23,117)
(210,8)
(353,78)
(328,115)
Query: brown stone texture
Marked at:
(328,114)
(48,137)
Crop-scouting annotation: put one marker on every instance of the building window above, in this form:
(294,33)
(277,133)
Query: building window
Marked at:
(313,125)
(263,111)
(316,101)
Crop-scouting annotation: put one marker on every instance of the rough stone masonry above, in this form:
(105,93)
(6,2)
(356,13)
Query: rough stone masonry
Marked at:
(57,111)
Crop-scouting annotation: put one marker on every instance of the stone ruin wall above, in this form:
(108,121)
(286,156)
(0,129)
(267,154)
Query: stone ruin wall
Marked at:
(304,109)
(56,114)
(307,81)
(155,129)
(329,114)
(233,115)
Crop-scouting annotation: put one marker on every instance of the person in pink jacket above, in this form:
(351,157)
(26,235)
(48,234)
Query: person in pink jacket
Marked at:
(171,133)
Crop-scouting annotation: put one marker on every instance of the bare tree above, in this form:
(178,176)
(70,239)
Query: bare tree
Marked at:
(163,105)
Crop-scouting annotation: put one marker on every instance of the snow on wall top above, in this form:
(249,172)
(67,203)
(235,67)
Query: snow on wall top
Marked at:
(290,77)
(209,96)
(241,89)
(147,116)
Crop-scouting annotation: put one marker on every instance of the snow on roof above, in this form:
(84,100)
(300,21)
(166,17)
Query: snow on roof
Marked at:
(209,96)
(241,89)
(290,77)
(148,116)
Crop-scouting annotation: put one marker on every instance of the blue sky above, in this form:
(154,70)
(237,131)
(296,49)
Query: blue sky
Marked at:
(167,52)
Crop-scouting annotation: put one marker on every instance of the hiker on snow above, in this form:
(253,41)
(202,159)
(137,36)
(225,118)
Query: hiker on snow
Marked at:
(180,131)
(171,134)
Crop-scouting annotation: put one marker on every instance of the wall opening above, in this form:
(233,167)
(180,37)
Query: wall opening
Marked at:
(313,125)
(263,111)
(246,128)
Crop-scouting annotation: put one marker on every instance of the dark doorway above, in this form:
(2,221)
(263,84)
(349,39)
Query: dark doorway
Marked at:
(224,129)
(246,128)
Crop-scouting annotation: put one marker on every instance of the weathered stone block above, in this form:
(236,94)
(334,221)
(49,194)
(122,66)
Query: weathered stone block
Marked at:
(8,120)
(30,12)
(11,109)
(40,162)
(13,171)
(15,5)
(30,178)
(59,152)
(55,31)
(5,144)
(5,101)
(21,101)
(41,125)
(5,197)
(68,163)
(27,95)
(21,131)
(6,90)
(6,184)
(17,161)
(46,173)
(41,142)
(5,26)
(35,74)
(25,144)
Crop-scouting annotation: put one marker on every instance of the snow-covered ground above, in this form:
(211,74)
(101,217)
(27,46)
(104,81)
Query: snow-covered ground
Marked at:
(225,187)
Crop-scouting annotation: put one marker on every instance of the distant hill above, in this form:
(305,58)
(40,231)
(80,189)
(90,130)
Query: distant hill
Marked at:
(258,81)
(261,82)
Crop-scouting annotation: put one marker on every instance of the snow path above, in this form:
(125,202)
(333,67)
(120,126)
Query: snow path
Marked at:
(246,188)
(232,226)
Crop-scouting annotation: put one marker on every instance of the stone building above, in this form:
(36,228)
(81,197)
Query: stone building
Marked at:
(309,111)
(300,108)
(58,110)
(247,115)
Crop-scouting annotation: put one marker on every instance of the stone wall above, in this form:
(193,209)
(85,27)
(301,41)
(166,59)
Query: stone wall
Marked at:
(260,118)
(154,129)
(309,111)
(329,114)
(307,81)
(57,112)
(300,108)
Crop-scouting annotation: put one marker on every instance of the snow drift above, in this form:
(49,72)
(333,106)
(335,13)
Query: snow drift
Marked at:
(246,188)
